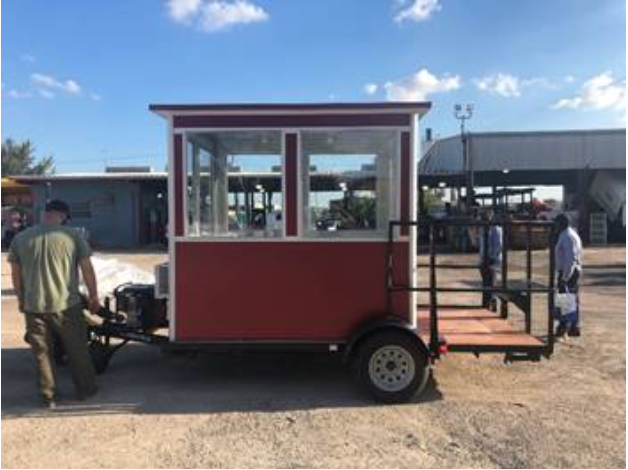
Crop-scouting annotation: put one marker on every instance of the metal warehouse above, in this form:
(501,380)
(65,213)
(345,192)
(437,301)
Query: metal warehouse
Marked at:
(590,165)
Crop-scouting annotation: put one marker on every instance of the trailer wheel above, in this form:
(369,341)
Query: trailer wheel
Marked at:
(391,367)
(100,354)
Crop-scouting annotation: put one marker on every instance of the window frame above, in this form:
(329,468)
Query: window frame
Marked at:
(229,236)
(394,203)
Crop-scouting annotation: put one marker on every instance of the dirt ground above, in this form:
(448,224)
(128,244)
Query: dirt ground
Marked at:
(155,411)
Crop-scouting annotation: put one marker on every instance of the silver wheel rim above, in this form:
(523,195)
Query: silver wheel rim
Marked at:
(391,368)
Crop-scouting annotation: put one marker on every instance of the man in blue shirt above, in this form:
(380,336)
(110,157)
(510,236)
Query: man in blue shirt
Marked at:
(568,259)
(490,248)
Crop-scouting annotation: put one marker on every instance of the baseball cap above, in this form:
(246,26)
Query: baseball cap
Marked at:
(57,205)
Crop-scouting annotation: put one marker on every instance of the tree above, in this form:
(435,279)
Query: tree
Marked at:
(19,159)
(354,212)
(432,200)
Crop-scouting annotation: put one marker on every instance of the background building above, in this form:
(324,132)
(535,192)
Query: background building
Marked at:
(589,166)
(117,209)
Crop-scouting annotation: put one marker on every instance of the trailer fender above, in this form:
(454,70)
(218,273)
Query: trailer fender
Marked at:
(378,325)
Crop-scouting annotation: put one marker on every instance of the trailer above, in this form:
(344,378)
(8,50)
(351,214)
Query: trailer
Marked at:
(292,228)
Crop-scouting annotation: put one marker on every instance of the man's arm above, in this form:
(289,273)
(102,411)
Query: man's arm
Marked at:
(89,277)
(16,279)
(496,243)
(565,257)
(572,253)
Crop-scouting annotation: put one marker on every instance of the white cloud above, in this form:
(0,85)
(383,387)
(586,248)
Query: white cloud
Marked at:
(502,84)
(95,96)
(371,88)
(72,87)
(18,95)
(539,82)
(600,92)
(222,15)
(48,82)
(416,10)
(43,80)
(46,93)
(182,11)
(27,58)
(418,86)
(570,79)
(215,15)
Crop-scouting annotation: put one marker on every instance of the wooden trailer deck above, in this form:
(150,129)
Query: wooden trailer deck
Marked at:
(465,329)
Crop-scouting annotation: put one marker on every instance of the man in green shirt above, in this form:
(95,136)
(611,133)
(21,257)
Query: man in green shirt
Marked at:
(44,269)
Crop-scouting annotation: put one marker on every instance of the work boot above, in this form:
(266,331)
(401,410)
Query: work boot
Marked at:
(574,332)
(48,403)
(560,331)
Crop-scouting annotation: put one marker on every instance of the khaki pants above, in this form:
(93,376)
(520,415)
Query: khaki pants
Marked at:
(70,326)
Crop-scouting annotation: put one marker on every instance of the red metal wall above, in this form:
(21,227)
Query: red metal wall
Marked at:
(292,120)
(306,290)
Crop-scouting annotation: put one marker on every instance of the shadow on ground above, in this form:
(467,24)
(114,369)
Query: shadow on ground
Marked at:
(604,276)
(141,380)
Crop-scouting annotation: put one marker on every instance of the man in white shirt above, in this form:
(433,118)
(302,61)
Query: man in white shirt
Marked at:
(568,258)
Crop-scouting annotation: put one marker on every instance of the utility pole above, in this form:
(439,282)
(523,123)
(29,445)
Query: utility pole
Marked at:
(463,115)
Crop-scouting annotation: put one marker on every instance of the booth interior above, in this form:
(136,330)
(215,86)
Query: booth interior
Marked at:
(235,185)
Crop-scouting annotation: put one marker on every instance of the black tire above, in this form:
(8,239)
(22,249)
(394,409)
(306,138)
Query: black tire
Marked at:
(101,355)
(391,367)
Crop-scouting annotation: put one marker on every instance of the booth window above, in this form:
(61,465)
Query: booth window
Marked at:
(234,184)
(347,178)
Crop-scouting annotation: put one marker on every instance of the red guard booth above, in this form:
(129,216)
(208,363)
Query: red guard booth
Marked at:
(279,225)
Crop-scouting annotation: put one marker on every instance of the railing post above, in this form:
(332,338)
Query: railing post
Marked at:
(505,240)
(486,267)
(550,295)
(390,266)
(528,314)
(434,342)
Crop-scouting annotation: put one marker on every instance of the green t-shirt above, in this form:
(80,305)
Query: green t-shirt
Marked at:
(48,256)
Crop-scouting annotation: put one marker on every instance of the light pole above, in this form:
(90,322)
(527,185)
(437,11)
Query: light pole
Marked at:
(463,115)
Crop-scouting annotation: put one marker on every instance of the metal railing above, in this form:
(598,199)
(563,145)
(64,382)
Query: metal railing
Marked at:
(520,296)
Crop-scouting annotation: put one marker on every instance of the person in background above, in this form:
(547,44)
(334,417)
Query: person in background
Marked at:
(17,224)
(490,248)
(568,260)
(44,269)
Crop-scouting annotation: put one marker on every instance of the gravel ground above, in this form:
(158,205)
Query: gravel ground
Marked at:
(156,411)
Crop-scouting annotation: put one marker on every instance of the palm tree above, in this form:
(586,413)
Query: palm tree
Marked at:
(19,159)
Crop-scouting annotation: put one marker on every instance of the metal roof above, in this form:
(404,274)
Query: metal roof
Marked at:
(528,151)
(90,177)
(419,107)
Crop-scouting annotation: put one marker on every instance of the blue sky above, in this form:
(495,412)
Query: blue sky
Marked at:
(78,76)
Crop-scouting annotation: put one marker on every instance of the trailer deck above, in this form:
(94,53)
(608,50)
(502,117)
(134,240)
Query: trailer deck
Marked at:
(463,329)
